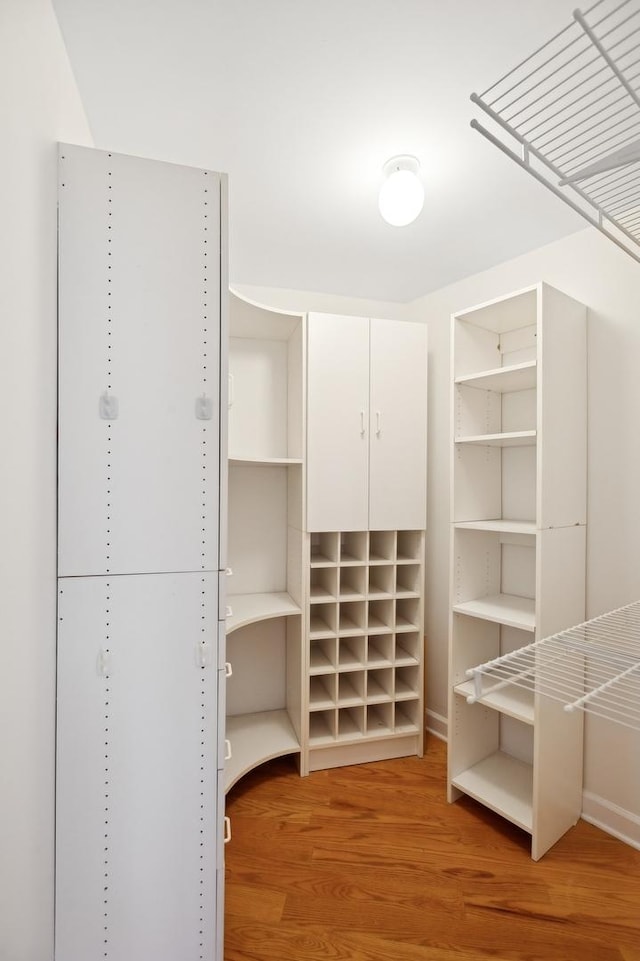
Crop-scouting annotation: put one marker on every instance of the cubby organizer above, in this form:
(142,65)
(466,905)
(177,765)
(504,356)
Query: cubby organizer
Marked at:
(365,617)
(518,533)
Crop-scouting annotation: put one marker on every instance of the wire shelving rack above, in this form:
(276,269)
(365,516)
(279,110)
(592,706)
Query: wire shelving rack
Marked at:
(569,114)
(593,667)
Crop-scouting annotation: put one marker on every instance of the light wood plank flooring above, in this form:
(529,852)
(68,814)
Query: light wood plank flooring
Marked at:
(370,863)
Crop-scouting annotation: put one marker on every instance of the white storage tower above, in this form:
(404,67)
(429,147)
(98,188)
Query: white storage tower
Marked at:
(140,710)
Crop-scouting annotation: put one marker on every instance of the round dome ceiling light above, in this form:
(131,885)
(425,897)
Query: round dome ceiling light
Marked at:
(402,194)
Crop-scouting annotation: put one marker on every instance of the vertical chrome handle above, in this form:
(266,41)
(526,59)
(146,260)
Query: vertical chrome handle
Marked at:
(228,753)
(362,428)
(230,393)
(378,423)
(228,670)
(227,829)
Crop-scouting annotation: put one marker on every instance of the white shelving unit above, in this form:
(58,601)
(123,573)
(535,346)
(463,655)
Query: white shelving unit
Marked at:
(518,534)
(365,617)
(265,600)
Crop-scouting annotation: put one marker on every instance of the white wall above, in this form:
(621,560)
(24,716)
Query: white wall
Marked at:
(594,271)
(39,105)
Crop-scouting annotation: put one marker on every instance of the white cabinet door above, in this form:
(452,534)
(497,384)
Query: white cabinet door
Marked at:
(337,423)
(398,426)
(139,334)
(137,823)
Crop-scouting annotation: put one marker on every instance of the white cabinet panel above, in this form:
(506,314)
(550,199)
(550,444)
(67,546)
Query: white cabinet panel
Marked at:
(337,422)
(139,359)
(398,426)
(137,768)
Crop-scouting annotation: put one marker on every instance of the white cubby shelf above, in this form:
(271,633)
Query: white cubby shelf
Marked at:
(365,645)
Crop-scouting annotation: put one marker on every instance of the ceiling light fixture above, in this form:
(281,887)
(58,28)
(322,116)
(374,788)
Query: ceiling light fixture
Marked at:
(402,194)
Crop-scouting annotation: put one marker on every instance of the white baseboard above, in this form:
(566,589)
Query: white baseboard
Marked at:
(612,819)
(436,724)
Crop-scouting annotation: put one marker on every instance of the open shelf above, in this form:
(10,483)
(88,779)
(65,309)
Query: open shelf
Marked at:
(499,525)
(249,608)
(265,461)
(514,701)
(513,377)
(256,738)
(515,438)
(508,609)
(502,783)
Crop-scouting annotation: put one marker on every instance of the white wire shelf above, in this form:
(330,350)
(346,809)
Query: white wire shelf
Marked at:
(593,667)
(569,114)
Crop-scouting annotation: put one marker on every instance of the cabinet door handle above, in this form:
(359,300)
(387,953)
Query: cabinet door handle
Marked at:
(228,670)
(362,427)
(230,392)
(228,753)
(227,829)
(378,423)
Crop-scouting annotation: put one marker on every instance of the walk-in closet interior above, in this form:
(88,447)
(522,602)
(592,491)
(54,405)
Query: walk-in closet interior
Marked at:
(321,593)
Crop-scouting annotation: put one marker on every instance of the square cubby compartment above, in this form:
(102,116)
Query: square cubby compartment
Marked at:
(353,583)
(351,617)
(380,650)
(382,547)
(322,656)
(379,719)
(322,727)
(351,689)
(380,685)
(381,581)
(322,692)
(380,617)
(323,620)
(352,653)
(407,613)
(353,547)
(408,580)
(351,723)
(408,548)
(407,683)
(323,584)
(408,649)
(407,718)
(325,549)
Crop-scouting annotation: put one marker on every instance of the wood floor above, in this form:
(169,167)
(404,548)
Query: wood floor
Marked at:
(370,863)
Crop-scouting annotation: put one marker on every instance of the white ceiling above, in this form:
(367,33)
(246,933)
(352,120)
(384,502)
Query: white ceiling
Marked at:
(302,102)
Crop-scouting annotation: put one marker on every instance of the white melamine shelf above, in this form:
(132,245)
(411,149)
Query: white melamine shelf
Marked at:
(349,696)
(256,738)
(265,461)
(404,624)
(499,525)
(514,701)
(318,628)
(404,658)
(249,608)
(516,438)
(502,783)
(503,379)
(507,609)
(348,560)
(404,724)
(320,698)
(320,560)
(319,663)
(319,595)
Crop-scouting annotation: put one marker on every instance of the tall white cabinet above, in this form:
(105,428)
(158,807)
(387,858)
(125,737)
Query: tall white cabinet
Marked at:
(518,533)
(140,746)
(365,520)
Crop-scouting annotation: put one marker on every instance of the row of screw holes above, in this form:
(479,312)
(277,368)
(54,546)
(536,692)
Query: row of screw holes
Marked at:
(108,427)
